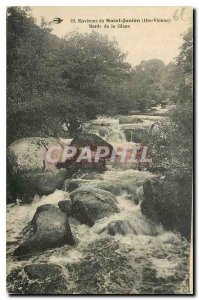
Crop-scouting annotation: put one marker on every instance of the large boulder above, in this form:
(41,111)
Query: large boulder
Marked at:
(38,279)
(50,230)
(29,172)
(76,210)
(90,204)
(92,141)
(169,202)
(100,203)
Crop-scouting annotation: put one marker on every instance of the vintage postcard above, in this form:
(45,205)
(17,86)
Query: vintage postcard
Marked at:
(99,150)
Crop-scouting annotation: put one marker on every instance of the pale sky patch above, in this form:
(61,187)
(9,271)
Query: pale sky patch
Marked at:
(142,41)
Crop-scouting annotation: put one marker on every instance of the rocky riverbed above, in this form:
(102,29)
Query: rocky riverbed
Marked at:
(91,237)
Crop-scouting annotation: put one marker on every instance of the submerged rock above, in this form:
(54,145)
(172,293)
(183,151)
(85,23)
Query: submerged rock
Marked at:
(121,227)
(134,264)
(169,202)
(50,230)
(38,279)
(111,266)
(29,172)
(42,271)
(136,224)
(102,264)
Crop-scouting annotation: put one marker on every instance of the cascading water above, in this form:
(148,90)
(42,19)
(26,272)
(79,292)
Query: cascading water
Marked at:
(107,128)
(139,258)
(150,257)
(115,137)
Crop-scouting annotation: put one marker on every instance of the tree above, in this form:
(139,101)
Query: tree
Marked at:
(93,66)
(146,84)
(49,78)
(173,140)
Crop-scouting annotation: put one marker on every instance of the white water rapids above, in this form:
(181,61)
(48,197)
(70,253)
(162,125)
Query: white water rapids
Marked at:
(148,248)
(145,243)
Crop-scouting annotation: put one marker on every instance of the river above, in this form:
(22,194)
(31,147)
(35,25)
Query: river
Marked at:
(146,259)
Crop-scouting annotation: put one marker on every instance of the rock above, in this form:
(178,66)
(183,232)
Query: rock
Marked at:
(169,202)
(76,169)
(138,225)
(91,204)
(42,271)
(77,210)
(81,212)
(117,183)
(150,204)
(121,227)
(71,184)
(38,279)
(86,140)
(50,230)
(28,170)
(66,206)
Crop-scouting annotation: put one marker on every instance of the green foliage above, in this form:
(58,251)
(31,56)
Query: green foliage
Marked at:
(90,61)
(153,83)
(50,79)
(173,140)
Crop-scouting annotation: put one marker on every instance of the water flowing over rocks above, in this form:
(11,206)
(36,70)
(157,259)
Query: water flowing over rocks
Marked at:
(120,250)
(143,259)
(50,229)
(118,266)
(118,227)
(116,182)
(38,279)
(126,226)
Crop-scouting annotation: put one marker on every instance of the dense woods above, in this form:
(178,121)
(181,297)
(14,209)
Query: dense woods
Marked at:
(173,140)
(50,79)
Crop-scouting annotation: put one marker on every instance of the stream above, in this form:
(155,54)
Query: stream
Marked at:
(146,259)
